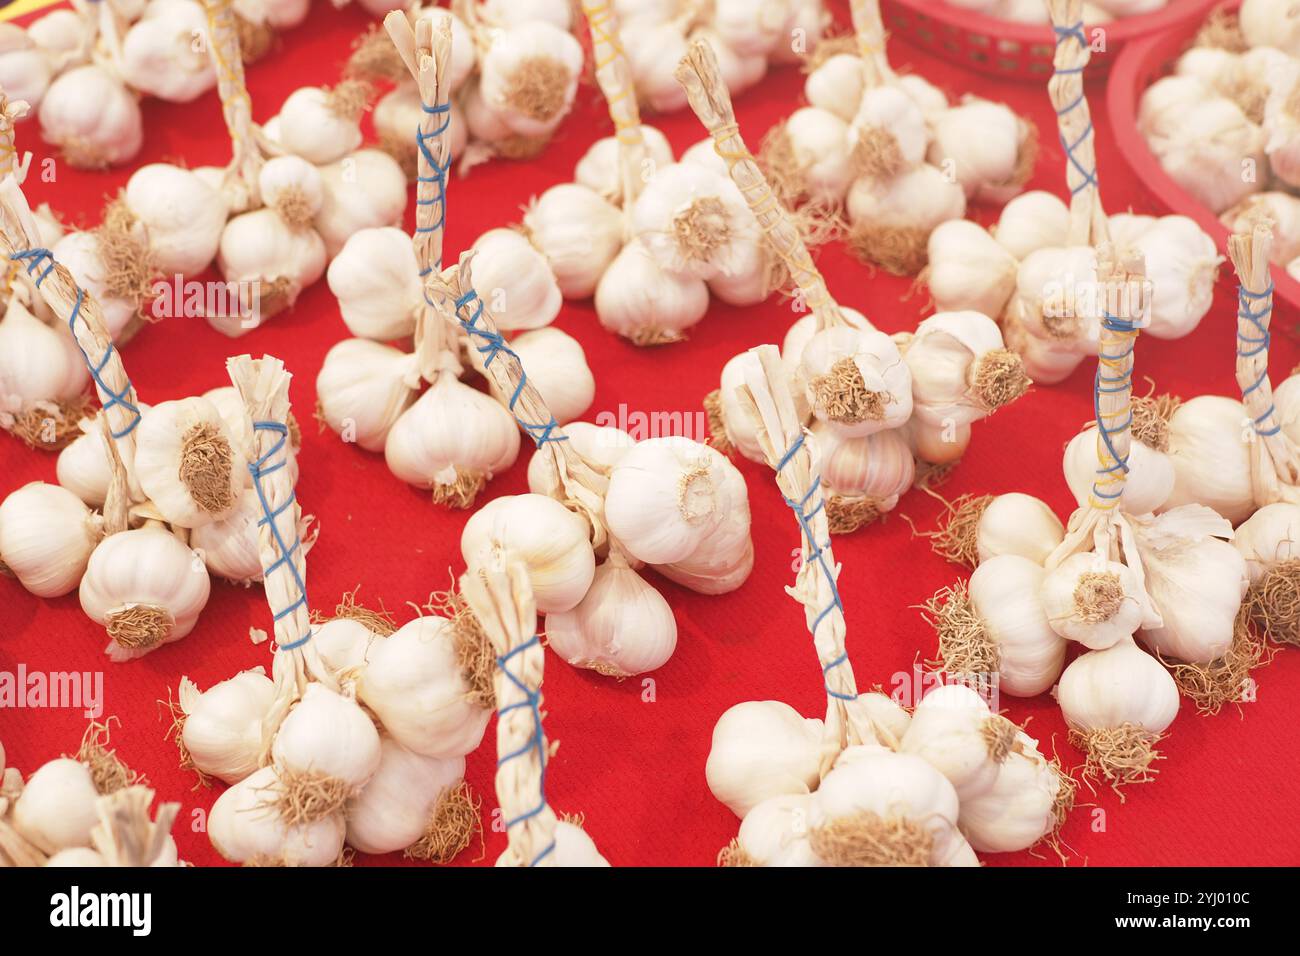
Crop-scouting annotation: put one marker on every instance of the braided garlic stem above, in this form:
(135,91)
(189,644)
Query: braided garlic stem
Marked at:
(1088,226)
(236,105)
(614,74)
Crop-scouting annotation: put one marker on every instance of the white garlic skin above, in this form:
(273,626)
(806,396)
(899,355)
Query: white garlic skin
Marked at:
(1118,685)
(159,455)
(553,542)
(598,169)
(261,247)
(514,281)
(739,426)
(936,444)
(918,200)
(1210,448)
(638,299)
(83,466)
(311,129)
(969,269)
(79,253)
(982,140)
(578,232)
(652,51)
(762,749)
(376,280)
(291,178)
(775,832)
(557,366)
(798,336)
(38,362)
(344,645)
(1020,809)
(362,190)
(183,215)
(1150,479)
(1004,593)
(92,115)
(25,69)
(1203,147)
(836,85)
(687,188)
(1182,264)
(888,784)
(946,730)
(451,429)
(943,357)
(573,848)
(818,140)
(622,624)
(878,362)
(364,387)
(603,445)
(56,809)
(879,465)
(724,560)
(245,825)
(1018,524)
(510,53)
(165,53)
(890,110)
(328,733)
(414,685)
(1058,592)
(393,810)
(1033,220)
(1271,23)
(147,566)
(47,535)
(223,724)
(1269,537)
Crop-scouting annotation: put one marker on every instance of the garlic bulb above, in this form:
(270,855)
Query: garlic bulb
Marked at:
(599,171)
(1203,150)
(188,463)
(146,588)
(292,187)
(667,496)
(322,125)
(640,300)
(602,445)
(578,232)
(1025,804)
(936,444)
(92,118)
(1096,602)
(991,150)
(376,280)
(427,683)
(731,425)
(969,269)
(182,214)
(621,627)
(364,387)
(694,221)
(1273,23)
(878,468)
(856,381)
(261,250)
(452,440)
(811,156)
(38,362)
(774,833)
(515,281)
(1056,294)
(762,749)
(954,730)
(557,366)
(961,371)
(1033,220)
(46,538)
(245,826)
(653,50)
(82,255)
(396,807)
(1127,228)
(1197,581)
(529,76)
(362,190)
(725,559)
(61,34)
(1009,629)
(326,735)
(165,53)
(344,645)
(553,542)
(750,27)
(1280,209)
(573,848)
(1182,264)
(877,807)
(25,70)
(83,466)
(1150,476)
(893,219)
(1018,524)
(836,85)
(56,808)
(229,547)
(1210,448)
(222,732)
(800,334)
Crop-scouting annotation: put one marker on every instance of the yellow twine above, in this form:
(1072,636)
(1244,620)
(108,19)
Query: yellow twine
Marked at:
(600,18)
(1110,474)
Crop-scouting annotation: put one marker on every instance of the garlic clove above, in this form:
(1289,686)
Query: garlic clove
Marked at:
(47,536)
(1005,596)
(762,749)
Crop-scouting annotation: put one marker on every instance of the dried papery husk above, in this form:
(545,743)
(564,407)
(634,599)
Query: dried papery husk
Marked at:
(866,839)
(1273,603)
(455,822)
(965,647)
(374,57)
(50,426)
(125,834)
(474,651)
(957,538)
(1151,415)
(1227,679)
(348,608)
(1120,755)
(108,771)
(128,263)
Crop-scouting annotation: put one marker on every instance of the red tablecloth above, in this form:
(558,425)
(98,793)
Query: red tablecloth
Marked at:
(635,765)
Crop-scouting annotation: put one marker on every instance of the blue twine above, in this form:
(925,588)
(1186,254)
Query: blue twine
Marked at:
(440,170)
(533,701)
(494,345)
(43,260)
(817,552)
(260,469)
(1109,384)
(1249,346)
(1064,34)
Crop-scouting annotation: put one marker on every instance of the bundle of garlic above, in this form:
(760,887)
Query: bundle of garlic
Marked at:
(871,785)
(86,810)
(499,593)
(855,382)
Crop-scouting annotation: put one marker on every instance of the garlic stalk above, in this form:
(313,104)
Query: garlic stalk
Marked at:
(240,178)
(501,598)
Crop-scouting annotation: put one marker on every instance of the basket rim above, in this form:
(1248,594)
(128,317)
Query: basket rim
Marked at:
(1120,31)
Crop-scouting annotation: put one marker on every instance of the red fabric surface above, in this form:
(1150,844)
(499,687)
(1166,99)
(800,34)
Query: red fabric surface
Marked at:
(634,766)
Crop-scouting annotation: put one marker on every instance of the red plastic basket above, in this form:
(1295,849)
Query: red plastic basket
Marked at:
(1021,51)
(1143,62)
